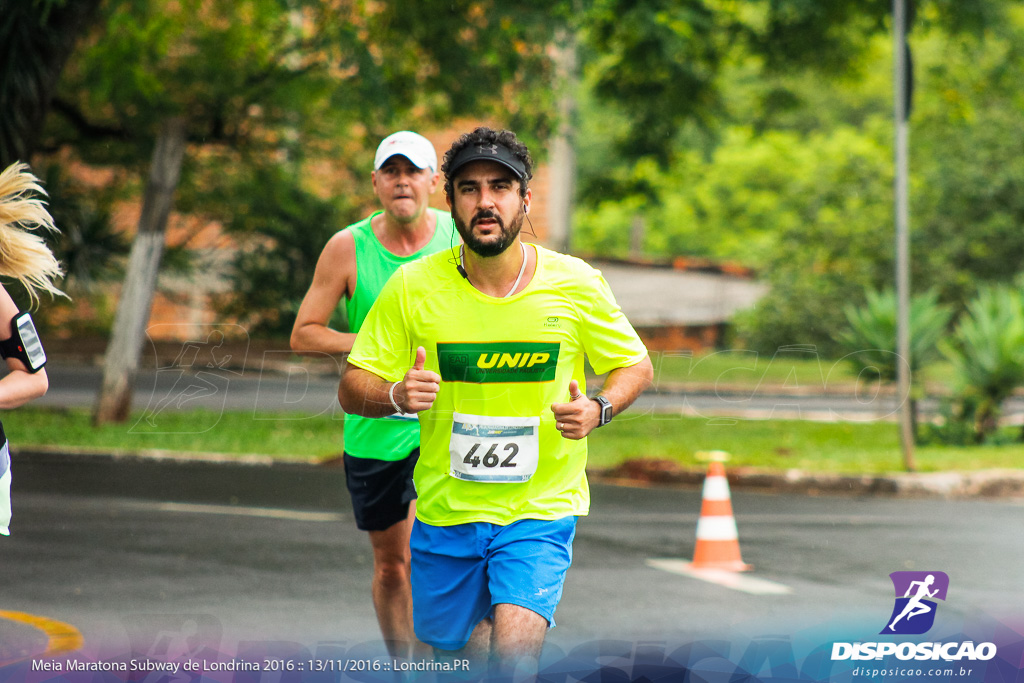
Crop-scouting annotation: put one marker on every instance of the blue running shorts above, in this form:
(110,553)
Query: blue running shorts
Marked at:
(460,572)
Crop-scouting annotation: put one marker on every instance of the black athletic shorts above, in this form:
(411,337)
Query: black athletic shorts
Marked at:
(381,489)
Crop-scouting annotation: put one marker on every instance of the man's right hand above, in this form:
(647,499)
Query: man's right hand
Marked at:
(417,391)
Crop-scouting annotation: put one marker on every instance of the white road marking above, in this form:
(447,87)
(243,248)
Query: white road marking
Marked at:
(734,580)
(630,517)
(272,513)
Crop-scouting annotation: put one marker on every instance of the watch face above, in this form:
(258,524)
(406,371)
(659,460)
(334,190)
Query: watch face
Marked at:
(30,342)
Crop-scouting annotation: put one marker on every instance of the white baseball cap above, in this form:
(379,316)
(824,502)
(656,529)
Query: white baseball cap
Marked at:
(412,146)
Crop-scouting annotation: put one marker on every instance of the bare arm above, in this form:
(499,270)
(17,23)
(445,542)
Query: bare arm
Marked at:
(361,392)
(333,279)
(581,416)
(18,386)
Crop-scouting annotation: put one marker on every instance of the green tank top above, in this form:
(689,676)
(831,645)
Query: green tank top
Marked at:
(389,438)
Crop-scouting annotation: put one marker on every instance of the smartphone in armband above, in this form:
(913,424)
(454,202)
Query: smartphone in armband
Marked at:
(24,343)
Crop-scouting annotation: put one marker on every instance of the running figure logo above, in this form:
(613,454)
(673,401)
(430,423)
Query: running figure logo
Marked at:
(199,375)
(914,611)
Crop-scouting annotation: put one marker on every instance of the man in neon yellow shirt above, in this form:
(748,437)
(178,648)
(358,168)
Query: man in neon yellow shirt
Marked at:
(379,454)
(489,351)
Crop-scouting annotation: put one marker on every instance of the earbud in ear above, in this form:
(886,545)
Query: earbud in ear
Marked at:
(526,208)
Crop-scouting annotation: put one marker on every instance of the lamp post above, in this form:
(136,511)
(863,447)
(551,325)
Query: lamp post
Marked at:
(901,105)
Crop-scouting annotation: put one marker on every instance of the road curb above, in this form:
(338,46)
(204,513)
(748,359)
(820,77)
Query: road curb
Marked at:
(151,454)
(1001,483)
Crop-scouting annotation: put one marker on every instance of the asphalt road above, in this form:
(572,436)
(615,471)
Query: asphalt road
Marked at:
(137,555)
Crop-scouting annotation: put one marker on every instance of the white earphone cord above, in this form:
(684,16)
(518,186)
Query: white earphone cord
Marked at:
(522,269)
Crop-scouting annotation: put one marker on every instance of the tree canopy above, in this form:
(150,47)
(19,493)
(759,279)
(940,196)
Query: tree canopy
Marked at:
(755,131)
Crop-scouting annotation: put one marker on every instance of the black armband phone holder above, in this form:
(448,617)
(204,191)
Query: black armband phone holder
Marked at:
(24,343)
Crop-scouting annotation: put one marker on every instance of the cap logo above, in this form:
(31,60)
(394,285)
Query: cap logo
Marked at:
(484,151)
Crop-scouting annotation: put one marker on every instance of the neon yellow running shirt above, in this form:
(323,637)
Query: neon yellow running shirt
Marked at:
(390,438)
(489,450)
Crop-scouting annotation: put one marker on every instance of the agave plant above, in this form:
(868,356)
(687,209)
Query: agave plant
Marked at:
(987,351)
(871,339)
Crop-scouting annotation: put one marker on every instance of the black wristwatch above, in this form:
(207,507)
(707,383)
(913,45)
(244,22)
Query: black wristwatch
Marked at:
(606,410)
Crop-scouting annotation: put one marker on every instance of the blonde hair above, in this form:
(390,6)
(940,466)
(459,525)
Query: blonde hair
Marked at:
(23,255)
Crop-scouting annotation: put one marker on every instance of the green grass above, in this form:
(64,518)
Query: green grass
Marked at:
(749,369)
(865,448)
(794,368)
(841,447)
(288,437)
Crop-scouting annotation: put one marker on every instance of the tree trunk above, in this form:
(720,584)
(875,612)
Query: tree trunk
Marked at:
(122,358)
(986,420)
(915,420)
(637,232)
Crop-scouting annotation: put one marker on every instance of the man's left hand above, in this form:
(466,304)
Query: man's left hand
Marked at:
(577,418)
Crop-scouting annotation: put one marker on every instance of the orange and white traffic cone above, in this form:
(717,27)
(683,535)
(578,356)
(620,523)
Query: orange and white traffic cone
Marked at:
(718,544)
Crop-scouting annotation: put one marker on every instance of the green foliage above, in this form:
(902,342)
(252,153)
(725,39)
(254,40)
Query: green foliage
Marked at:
(757,200)
(950,427)
(802,209)
(36,37)
(21,72)
(238,72)
(449,59)
(273,92)
(667,63)
(987,352)
(797,178)
(751,131)
(870,341)
(90,248)
(604,228)
(967,180)
(969,162)
(661,53)
(282,229)
(261,88)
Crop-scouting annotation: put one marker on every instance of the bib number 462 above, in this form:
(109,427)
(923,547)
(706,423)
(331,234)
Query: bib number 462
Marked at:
(491,457)
(494,450)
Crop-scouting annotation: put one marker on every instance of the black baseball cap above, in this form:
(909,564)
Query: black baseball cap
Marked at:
(487,151)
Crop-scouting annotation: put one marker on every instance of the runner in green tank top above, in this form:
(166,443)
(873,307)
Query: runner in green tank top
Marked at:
(380,454)
(390,438)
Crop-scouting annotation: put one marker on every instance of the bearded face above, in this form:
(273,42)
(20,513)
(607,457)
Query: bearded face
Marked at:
(496,238)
